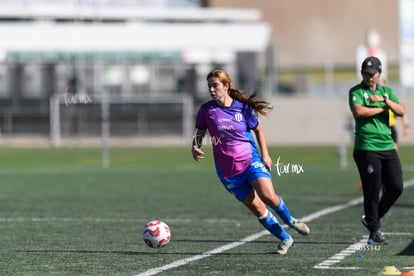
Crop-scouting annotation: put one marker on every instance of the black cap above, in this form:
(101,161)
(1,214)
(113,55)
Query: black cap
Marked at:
(371,65)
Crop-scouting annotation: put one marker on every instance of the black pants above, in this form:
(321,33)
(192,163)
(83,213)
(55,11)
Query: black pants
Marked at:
(380,171)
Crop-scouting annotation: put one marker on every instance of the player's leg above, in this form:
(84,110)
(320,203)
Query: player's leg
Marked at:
(269,221)
(266,218)
(370,166)
(244,192)
(264,187)
(392,181)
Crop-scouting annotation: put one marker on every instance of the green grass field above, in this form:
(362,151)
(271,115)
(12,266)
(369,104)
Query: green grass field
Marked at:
(62,214)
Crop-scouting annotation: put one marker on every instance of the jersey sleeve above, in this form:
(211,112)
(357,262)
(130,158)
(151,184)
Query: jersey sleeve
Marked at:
(251,118)
(355,97)
(200,119)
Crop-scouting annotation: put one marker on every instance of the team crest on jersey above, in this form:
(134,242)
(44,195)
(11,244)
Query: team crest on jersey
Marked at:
(366,95)
(238,116)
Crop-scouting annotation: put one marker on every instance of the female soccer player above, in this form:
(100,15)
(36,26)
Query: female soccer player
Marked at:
(230,117)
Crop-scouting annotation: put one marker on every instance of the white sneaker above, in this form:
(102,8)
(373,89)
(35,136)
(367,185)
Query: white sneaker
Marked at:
(284,246)
(299,226)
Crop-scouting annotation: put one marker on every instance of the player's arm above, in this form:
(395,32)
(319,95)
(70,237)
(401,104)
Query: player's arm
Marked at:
(397,108)
(198,154)
(405,124)
(261,140)
(360,111)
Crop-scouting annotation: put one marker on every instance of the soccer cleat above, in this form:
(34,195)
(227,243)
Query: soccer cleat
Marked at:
(299,226)
(376,238)
(284,246)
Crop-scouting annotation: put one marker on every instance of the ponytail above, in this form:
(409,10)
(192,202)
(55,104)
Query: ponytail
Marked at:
(259,106)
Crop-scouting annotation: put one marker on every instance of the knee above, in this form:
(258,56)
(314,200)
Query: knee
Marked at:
(256,206)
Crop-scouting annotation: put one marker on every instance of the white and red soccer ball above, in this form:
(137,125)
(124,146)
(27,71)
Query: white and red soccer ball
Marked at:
(156,234)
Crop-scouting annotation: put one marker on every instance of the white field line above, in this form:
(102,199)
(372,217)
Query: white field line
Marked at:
(218,250)
(337,258)
(253,237)
(359,246)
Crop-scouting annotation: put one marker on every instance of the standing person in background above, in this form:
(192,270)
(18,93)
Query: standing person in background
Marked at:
(374,151)
(392,121)
(229,118)
(394,132)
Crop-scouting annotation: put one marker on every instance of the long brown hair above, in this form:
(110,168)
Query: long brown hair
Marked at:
(259,106)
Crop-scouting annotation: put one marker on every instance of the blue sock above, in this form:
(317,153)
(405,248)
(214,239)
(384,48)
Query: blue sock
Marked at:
(273,226)
(283,211)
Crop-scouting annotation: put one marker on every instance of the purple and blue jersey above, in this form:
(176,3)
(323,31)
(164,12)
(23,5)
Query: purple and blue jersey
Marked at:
(230,128)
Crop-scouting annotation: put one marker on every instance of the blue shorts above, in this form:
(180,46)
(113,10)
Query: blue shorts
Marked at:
(240,185)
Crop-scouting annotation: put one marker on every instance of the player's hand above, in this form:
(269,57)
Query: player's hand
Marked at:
(376,98)
(267,161)
(406,130)
(198,154)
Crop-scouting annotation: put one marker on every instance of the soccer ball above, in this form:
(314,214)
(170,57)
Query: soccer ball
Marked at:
(156,234)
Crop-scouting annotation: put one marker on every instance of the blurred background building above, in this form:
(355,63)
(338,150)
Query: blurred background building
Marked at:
(150,58)
(67,65)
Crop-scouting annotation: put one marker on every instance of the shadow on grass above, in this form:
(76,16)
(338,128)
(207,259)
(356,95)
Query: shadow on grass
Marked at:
(408,251)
